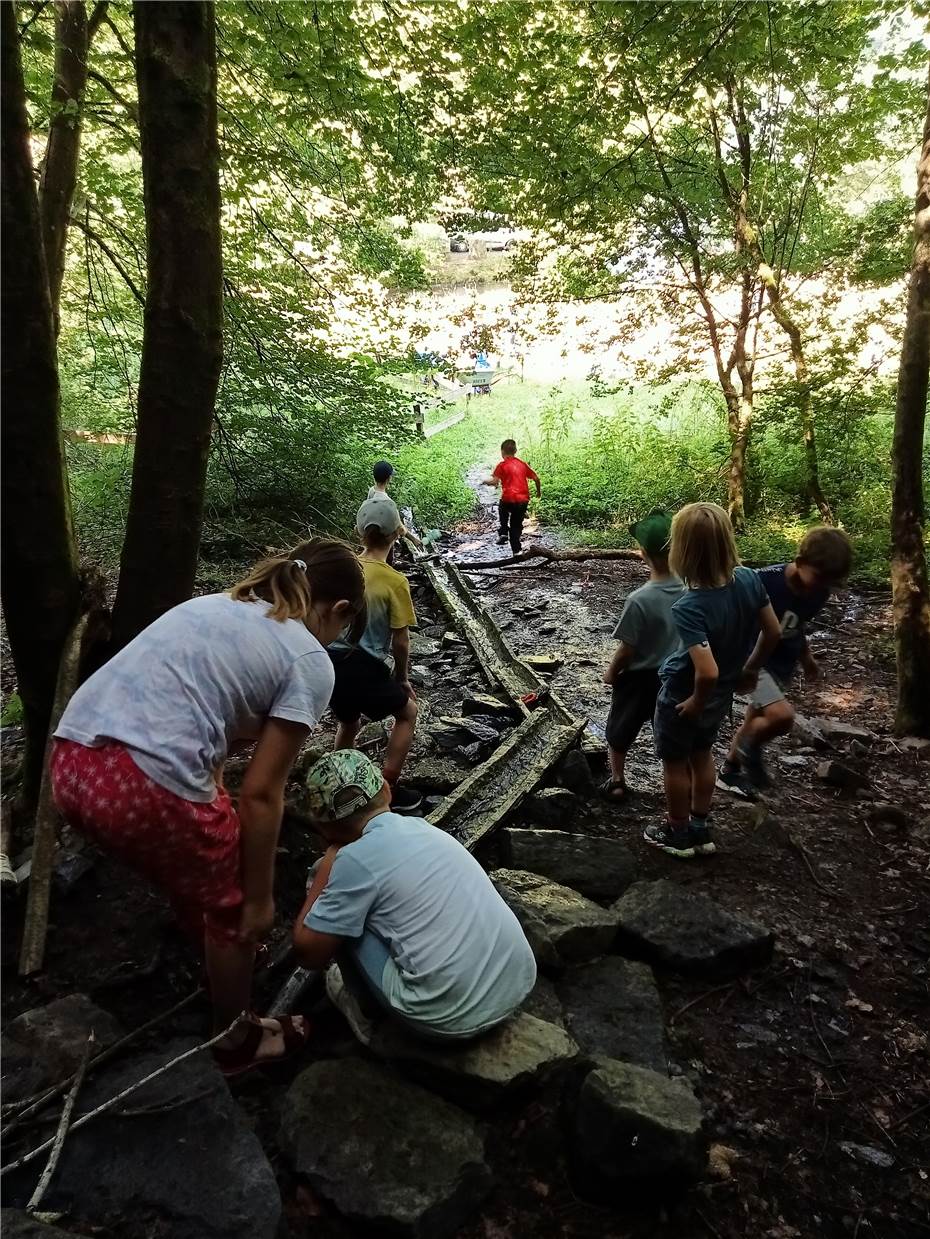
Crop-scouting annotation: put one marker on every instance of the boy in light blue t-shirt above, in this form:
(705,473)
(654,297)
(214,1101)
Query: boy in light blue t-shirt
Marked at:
(407,911)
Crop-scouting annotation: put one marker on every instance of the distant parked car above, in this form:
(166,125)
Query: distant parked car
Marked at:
(458,245)
(499,239)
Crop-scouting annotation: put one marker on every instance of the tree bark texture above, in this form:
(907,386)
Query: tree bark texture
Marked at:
(182,342)
(910,590)
(59,170)
(40,586)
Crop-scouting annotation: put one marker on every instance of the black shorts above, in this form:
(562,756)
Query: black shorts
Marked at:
(677,738)
(632,703)
(364,685)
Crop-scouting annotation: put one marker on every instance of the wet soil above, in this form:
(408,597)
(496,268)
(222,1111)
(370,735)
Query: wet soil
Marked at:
(800,1067)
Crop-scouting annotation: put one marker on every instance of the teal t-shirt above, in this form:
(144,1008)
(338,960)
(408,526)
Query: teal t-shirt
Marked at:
(646,623)
(459,959)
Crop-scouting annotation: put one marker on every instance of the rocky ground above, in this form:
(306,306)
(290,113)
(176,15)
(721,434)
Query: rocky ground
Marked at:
(733,1046)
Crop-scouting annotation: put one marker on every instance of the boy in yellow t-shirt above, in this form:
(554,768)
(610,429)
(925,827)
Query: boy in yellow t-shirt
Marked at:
(372,678)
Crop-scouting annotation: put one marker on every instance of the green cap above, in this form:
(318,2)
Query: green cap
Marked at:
(653,532)
(340,784)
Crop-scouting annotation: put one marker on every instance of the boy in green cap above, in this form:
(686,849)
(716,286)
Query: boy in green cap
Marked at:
(409,914)
(647,635)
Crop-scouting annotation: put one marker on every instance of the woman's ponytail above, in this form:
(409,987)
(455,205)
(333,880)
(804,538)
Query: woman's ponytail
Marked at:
(321,570)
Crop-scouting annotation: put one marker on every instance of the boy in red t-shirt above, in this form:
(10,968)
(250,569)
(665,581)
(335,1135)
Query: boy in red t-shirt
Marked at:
(512,475)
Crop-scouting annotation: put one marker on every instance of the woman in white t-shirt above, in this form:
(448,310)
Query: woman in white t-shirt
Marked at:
(138,756)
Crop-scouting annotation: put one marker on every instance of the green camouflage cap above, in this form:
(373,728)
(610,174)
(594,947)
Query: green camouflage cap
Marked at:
(653,532)
(340,784)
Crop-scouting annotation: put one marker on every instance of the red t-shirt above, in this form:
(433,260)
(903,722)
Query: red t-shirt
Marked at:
(514,474)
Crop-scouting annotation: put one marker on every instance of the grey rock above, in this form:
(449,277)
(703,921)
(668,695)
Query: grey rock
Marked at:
(561,926)
(809,730)
(46,1044)
(574,772)
(635,1129)
(422,677)
(543,1002)
(452,641)
(838,775)
(383,1150)
(552,806)
(483,704)
(479,1072)
(612,1009)
(192,1163)
(423,647)
(666,924)
(868,1155)
(17,1224)
(836,730)
(599,868)
(436,774)
(435,631)
(543,664)
(453,733)
(758,1034)
(794,761)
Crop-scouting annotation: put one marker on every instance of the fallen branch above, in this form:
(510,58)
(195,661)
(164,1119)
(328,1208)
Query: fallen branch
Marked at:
(573,555)
(64,1123)
(45,838)
(126,1092)
(33,1105)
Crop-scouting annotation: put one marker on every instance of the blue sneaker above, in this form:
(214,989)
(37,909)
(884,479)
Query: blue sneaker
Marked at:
(675,840)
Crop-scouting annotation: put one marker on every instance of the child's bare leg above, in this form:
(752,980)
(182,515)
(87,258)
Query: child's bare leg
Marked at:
(767,723)
(617,759)
(739,736)
(229,967)
(401,739)
(677,789)
(703,779)
(346,733)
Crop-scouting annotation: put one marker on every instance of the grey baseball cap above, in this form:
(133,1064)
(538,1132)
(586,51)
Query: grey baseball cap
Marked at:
(381,512)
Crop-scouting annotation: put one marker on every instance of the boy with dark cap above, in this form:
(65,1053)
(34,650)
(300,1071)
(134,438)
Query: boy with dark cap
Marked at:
(413,920)
(647,635)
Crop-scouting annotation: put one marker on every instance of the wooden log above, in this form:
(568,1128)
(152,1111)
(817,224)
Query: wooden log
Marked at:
(572,555)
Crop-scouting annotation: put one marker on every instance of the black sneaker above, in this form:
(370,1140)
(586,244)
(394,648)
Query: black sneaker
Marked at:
(405,799)
(676,840)
(735,782)
(502,539)
(702,839)
(753,769)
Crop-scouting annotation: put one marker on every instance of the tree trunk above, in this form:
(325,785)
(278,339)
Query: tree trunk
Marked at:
(739,424)
(40,586)
(59,170)
(910,591)
(783,317)
(182,342)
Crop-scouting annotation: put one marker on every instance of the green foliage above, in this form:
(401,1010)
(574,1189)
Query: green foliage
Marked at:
(13,713)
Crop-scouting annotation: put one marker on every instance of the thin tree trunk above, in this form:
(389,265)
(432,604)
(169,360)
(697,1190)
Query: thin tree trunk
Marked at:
(783,317)
(59,169)
(910,590)
(40,586)
(739,425)
(182,342)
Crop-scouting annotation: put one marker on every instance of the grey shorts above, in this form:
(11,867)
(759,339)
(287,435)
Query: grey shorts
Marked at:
(676,738)
(767,691)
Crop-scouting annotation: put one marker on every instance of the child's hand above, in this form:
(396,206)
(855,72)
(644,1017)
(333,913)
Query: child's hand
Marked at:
(811,669)
(257,919)
(408,689)
(689,708)
(610,675)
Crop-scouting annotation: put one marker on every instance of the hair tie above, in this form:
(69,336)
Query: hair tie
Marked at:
(300,564)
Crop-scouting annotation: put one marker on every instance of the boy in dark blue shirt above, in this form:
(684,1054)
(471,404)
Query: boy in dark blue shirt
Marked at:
(797,591)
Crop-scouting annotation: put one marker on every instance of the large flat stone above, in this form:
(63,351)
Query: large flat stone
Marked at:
(17,1224)
(612,1009)
(185,1160)
(561,925)
(637,1130)
(667,924)
(477,1073)
(46,1044)
(543,1002)
(598,868)
(383,1150)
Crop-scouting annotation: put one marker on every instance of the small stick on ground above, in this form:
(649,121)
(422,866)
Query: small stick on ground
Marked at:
(700,998)
(126,1092)
(41,1101)
(64,1123)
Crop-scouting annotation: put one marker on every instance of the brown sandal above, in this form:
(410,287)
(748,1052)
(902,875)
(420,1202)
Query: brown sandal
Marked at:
(241,1058)
(610,788)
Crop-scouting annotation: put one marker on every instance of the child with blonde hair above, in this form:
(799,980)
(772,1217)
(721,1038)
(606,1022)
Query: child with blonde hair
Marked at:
(718,618)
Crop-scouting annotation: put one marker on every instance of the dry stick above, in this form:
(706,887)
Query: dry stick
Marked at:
(572,556)
(60,1135)
(126,1092)
(39,1103)
(700,998)
(45,839)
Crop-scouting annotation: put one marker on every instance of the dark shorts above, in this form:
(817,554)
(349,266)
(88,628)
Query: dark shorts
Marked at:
(676,738)
(364,685)
(632,703)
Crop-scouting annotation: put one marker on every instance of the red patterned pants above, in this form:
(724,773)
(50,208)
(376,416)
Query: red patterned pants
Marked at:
(189,849)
